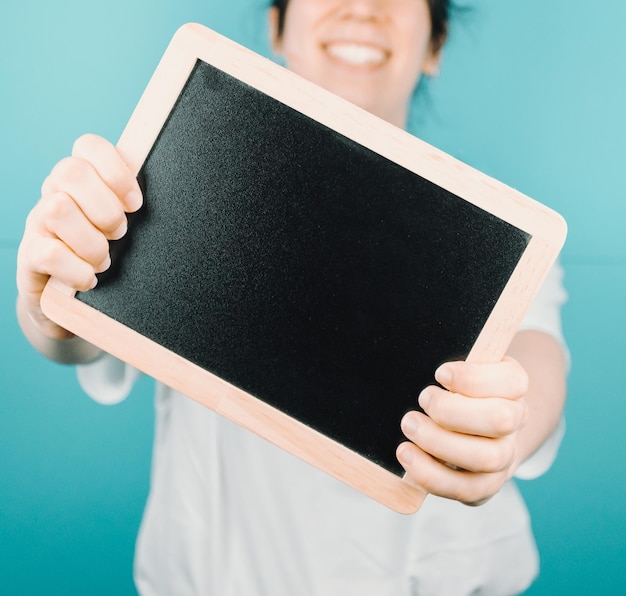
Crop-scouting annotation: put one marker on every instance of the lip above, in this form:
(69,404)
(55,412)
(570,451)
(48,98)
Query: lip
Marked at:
(356,54)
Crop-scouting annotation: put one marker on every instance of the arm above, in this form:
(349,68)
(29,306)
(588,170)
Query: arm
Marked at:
(83,205)
(486,421)
(543,359)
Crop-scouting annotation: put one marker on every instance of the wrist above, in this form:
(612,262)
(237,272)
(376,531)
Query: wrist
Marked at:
(42,324)
(51,340)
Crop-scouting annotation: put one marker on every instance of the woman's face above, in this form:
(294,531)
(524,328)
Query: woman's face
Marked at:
(370,52)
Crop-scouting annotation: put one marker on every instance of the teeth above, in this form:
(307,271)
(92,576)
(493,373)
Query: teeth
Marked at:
(356,54)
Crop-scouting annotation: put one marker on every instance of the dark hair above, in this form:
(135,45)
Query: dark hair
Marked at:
(439,17)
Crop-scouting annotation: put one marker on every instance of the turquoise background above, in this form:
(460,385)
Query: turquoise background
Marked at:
(531,92)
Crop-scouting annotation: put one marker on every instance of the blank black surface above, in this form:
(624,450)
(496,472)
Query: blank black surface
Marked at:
(302,267)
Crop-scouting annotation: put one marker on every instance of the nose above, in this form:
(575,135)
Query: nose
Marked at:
(365,10)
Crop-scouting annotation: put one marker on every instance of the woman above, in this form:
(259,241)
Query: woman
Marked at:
(231,514)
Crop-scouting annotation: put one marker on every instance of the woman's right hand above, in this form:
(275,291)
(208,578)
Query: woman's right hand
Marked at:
(83,205)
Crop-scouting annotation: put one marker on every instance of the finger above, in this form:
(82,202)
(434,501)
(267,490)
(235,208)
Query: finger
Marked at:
(488,417)
(63,219)
(441,480)
(505,379)
(111,168)
(469,452)
(46,257)
(79,180)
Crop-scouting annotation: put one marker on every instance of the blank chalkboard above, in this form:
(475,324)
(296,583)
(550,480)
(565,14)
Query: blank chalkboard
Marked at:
(290,273)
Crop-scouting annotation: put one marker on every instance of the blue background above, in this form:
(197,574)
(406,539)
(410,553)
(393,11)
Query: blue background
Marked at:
(531,92)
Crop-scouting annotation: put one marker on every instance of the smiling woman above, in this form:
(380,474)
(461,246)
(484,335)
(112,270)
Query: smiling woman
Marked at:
(231,514)
(368,52)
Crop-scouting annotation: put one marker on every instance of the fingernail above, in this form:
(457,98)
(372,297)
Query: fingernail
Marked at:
(94,283)
(405,454)
(134,200)
(443,375)
(120,230)
(409,425)
(104,265)
(424,398)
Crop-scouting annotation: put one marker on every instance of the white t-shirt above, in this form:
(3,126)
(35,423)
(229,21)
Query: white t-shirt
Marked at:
(229,514)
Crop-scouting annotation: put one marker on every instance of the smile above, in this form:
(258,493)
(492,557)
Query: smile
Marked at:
(356,54)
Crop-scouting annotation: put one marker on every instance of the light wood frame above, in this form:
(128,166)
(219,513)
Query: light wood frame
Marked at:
(193,42)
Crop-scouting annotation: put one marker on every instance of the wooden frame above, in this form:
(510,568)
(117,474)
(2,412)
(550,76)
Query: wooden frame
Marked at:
(547,229)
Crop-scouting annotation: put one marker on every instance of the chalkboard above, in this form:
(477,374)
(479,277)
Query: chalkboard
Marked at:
(288,271)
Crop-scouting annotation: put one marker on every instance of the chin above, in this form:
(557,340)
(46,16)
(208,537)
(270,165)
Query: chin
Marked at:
(371,106)
(366,97)
(363,100)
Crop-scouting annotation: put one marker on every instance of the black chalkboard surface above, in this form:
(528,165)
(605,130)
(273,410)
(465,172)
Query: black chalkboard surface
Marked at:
(315,276)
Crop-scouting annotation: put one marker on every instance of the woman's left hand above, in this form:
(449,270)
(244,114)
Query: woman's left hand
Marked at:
(466,448)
